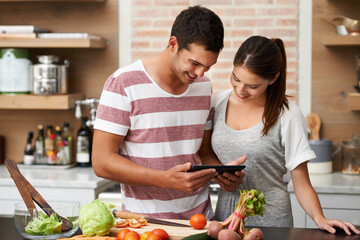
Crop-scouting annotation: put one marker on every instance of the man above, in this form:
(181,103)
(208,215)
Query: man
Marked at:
(152,119)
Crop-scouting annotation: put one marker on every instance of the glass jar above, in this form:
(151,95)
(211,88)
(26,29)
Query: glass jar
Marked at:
(351,155)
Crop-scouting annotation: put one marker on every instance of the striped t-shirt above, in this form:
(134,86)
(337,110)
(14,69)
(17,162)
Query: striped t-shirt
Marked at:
(161,131)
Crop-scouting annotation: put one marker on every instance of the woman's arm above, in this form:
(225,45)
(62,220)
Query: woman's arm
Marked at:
(309,201)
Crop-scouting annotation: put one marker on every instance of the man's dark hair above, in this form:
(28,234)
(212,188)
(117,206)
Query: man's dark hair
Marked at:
(201,26)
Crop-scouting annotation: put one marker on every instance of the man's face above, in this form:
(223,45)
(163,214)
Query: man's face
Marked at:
(190,64)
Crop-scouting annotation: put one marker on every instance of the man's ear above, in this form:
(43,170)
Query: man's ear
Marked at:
(274,79)
(173,44)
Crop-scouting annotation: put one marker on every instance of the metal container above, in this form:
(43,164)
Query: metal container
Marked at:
(15,75)
(351,155)
(49,76)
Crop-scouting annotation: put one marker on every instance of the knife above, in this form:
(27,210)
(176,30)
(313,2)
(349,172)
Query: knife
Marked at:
(130,215)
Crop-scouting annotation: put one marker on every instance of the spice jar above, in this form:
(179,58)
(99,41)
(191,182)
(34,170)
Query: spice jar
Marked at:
(351,155)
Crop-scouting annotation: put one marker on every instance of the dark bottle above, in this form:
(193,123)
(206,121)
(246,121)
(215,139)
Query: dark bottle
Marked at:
(29,158)
(84,144)
(40,157)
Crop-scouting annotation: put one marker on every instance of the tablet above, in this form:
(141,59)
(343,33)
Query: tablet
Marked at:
(219,168)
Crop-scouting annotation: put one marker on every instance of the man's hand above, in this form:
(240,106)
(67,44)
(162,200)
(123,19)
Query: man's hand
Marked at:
(228,181)
(177,178)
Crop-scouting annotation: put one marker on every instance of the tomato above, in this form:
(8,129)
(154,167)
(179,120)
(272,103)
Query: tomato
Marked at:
(145,235)
(130,237)
(132,233)
(121,234)
(161,233)
(142,221)
(134,223)
(153,236)
(198,221)
(121,223)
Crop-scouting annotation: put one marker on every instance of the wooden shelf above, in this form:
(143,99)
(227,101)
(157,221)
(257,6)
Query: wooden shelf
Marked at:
(353,101)
(53,43)
(52,1)
(338,40)
(39,102)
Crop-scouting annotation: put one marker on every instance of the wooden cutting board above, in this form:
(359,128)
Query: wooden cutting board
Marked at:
(175,233)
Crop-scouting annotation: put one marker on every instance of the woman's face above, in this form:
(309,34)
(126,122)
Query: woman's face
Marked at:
(249,87)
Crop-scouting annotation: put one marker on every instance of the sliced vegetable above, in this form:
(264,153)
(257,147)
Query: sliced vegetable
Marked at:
(120,223)
(134,223)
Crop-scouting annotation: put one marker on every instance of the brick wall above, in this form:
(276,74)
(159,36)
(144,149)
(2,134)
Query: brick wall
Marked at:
(151,21)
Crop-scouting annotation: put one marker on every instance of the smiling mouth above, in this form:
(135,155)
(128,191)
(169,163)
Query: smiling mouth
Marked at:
(191,77)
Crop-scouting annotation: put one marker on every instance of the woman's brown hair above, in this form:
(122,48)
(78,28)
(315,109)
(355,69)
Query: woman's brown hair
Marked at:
(265,58)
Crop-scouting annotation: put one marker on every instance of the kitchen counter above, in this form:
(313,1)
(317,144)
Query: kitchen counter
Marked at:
(339,195)
(53,183)
(8,231)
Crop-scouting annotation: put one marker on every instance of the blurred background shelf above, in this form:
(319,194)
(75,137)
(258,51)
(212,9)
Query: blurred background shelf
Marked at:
(52,1)
(338,40)
(353,101)
(53,43)
(40,102)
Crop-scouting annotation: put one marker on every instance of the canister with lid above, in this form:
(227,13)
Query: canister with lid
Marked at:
(15,77)
(351,155)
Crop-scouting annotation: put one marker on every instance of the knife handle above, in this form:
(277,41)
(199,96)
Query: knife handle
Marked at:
(130,215)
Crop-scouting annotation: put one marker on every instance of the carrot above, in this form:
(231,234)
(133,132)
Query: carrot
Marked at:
(83,237)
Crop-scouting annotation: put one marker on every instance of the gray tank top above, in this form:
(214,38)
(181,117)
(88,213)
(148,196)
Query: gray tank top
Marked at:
(265,167)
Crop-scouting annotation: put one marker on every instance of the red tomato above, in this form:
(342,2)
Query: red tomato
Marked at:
(145,235)
(121,223)
(134,223)
(132,233)
(130,237)
(161,233)
(153,236)
(121,234)
(198,221)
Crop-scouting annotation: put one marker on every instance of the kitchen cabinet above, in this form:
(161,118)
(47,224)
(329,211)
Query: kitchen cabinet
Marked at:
(339,195)
(334,72)
(91,62)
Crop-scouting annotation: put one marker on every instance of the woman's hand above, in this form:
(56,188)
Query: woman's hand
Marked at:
(329,224)
(228,181)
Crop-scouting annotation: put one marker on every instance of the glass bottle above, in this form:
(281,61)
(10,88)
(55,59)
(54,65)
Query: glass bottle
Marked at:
(29,158)
(58,139)
(84,144)
(40,146)
(67,139)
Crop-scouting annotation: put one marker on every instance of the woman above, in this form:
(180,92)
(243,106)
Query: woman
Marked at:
(256,119)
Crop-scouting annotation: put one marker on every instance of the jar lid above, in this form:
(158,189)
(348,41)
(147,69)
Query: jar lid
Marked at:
(47,59)
(354,141)
(19,53)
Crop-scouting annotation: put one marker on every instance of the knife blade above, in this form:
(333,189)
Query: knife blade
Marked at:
(130,215)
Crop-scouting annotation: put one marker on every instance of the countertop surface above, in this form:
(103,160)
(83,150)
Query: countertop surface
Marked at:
(8,231)
(336,182)
(47,176)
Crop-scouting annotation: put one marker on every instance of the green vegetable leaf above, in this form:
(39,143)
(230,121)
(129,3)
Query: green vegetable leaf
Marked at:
(44,225)
(96,219)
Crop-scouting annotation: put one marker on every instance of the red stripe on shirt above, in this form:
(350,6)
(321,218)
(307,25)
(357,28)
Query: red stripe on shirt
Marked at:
(113,115)
(166,134)
(170,104)
(119,83)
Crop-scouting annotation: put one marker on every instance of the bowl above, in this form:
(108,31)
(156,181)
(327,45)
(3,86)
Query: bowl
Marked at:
(69,210)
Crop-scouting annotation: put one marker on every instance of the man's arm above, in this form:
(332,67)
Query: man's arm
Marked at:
(107,163)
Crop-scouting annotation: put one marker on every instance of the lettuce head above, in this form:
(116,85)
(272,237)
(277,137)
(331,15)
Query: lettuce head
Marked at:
(96,219)
(44,225)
